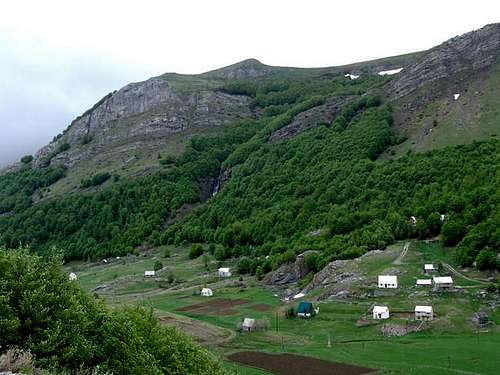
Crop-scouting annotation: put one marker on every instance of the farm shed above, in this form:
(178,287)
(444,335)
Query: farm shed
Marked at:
(386,281)
(429,268)
(424,313)
(224,272)
(149,273)
(424,282)
(207,292)
(380,312)
(248,325)
(72,276)
(443,282)
(305,310)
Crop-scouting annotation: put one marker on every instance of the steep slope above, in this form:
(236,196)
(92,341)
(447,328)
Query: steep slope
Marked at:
(124,132)
(295,159)
(448,95)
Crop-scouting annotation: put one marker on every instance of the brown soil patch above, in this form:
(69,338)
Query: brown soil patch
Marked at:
(215,307)
(290,364)
(263,307)
(204,333)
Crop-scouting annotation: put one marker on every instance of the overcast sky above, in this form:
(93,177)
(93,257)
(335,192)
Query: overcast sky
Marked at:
(57,58)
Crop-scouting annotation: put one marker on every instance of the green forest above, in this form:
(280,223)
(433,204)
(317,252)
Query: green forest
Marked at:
(327,189)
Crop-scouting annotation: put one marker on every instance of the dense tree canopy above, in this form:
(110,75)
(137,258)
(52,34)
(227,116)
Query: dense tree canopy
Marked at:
(326,189)
(45,313)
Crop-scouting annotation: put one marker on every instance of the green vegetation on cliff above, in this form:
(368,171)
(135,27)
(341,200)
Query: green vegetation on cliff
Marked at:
(325,189)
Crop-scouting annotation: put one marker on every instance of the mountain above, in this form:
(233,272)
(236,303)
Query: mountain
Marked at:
(267,161)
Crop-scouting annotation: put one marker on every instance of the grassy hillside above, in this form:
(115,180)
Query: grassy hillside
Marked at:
(448,345)
(449,122)
(132,205)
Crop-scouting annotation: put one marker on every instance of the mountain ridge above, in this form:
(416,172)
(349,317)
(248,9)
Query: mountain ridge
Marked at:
(247,162)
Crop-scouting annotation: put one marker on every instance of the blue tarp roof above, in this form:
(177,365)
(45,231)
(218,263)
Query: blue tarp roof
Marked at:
(305,308)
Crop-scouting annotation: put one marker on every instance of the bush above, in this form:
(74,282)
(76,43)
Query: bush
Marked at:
(170,278)
(492,288)
(95,180)
(86,139)
(65,329)
(312,262)
(262,324)
(245,266)
(453,231)
(158,265)
(486,260)
(62,148)
(168,160)
(196,251)
(290,313)
(27,159)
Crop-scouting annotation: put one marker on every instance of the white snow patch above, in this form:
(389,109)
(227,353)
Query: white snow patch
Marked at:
(351,76)
(456,96)
(390,72)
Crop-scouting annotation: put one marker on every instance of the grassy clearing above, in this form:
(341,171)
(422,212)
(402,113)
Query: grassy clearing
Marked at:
(451,344)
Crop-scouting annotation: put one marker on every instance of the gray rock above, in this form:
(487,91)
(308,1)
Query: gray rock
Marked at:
(334,274)
(451,62)
(250,68)
(323,114)
(140,115)
(290,272)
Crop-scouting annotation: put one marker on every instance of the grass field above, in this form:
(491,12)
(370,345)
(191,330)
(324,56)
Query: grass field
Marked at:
(448,122)
(450,344)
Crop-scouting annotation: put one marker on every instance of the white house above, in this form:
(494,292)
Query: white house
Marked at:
(442,217)
(207,292)
(424,313)
(380,312)
(386,281)
(413,220)
(72,276)
(149,273)
(224,272)
(424,282)
(429,268)
(443,282)
(248,324)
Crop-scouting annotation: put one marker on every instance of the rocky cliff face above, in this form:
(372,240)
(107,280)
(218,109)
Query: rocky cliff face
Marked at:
(452,61)
(323,114)
(246,69)
(144,112)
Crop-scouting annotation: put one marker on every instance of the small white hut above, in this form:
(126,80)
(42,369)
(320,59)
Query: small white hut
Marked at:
(72,276)
(443,282)
(424,313)
(248,325)
(224,272)
(386,281)
(430,268)
(380,312)
(149,273)
(207,292)
(424,282)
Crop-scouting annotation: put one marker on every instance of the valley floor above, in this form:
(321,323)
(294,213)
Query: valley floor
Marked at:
(343,331)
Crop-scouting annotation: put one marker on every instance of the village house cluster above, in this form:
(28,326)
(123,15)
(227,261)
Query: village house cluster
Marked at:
(421,312)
